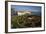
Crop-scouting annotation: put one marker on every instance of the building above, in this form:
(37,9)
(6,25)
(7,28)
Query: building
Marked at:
(23,12)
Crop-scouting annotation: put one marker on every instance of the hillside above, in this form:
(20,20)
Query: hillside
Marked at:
(25,21)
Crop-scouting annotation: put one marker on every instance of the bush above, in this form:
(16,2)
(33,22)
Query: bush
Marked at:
(23,21)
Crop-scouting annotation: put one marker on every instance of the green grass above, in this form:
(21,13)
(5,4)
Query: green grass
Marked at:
(23,21)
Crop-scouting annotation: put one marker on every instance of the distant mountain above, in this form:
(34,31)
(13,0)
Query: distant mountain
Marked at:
(36,13)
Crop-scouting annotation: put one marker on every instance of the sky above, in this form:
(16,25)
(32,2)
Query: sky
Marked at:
(36,10)
(31,8)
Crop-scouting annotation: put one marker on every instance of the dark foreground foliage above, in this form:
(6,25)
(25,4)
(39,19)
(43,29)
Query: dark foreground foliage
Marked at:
(24,21)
